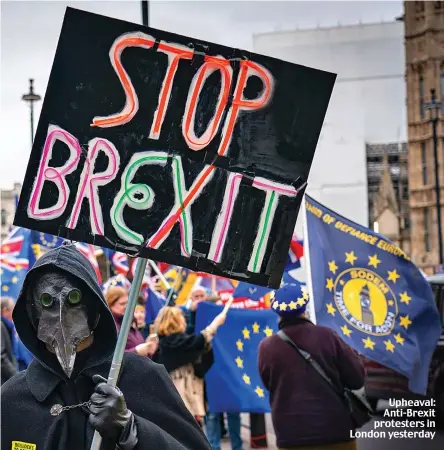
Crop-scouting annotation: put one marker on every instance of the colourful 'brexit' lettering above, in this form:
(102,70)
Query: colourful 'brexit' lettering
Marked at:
(141,196)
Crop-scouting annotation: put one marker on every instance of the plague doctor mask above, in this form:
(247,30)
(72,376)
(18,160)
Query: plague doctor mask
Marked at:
(60,314)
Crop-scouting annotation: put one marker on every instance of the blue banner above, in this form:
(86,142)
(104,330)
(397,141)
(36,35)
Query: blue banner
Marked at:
(19,251)
(233,383)
(46,240)
(368,291)
(153,304)
(251,291)
(16,258)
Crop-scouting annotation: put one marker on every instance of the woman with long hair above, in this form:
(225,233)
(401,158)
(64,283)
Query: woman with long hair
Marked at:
(186,357)
(117,299)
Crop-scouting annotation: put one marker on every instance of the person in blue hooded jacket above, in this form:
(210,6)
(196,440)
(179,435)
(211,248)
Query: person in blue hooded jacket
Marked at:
(9,362)
(23,356)
(62,397)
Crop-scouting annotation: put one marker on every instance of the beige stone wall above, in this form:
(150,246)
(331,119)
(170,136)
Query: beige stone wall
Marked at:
(389,224)
(424,46)
(7,204)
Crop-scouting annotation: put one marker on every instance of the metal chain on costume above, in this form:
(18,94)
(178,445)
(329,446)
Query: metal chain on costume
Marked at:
(58,409)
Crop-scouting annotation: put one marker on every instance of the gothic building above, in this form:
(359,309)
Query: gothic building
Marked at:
(424,49)
(388,192)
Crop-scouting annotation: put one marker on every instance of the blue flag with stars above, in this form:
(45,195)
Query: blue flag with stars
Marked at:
(19,251)
(251,291)
(233,383)
(47,241)
(368,291)
(16,258)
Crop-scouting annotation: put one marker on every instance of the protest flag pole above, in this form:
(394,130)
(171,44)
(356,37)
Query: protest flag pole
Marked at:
(159,273)
(175,287)
(227,306)
(123,335)
(311,303)
(213,284)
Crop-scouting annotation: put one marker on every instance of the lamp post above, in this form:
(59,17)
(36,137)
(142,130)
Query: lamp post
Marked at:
(145,12)
(31,97)
(435,108)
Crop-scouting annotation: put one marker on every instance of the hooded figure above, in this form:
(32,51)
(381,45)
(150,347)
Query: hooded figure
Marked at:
(61,399)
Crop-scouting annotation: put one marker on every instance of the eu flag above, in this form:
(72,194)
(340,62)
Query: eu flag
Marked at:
(16,257)
(368,291)
(154,303)
(46,240)
(251,291)
(233,383)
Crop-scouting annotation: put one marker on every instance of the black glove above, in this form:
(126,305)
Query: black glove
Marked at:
(110,416)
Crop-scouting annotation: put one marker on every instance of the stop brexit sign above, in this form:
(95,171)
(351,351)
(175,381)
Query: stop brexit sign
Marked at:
(172,148)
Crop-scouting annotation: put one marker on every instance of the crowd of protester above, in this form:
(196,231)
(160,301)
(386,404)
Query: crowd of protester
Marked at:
(171,340)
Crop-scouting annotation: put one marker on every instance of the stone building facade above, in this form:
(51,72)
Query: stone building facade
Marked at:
(424,50)
(8,201)
(388,192)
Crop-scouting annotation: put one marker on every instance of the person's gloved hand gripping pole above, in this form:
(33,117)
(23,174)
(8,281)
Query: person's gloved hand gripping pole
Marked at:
(110,416)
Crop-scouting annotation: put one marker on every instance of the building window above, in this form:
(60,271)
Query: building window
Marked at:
(426,230)
(424,163)
(419,7)
(421,98)
(4,217)
(406,221)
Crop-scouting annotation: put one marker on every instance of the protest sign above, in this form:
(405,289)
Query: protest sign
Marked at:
(174,149)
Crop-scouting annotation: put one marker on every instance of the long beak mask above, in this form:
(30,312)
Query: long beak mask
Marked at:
(60,313)
(62,328)
(61,317)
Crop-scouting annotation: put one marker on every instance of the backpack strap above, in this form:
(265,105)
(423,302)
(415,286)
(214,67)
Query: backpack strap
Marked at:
(307,356)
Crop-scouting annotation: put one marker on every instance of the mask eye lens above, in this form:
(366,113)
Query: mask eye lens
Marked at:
(46,300)
(74,297)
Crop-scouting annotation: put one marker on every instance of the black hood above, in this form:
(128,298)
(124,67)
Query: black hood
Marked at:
(68,259)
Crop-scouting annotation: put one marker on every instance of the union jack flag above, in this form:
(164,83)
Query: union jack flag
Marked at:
(146,281)
(116,281)
(295,253)
(15,259)
(12,249)
(214,283)
(88,251)
(120,263)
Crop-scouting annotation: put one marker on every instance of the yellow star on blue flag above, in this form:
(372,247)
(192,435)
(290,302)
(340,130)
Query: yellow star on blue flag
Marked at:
(20,249)
(369,291)
(233,384)
(47,241)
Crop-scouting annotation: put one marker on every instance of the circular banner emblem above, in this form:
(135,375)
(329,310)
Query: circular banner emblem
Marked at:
(365,301)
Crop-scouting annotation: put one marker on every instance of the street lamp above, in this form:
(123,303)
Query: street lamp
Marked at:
(31,97)
(145,12)
(435,108)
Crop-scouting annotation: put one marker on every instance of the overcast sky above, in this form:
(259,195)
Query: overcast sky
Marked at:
(30,30)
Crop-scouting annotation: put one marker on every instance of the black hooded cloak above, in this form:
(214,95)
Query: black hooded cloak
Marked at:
(163,422)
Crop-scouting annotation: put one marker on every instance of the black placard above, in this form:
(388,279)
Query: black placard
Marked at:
(171,148)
